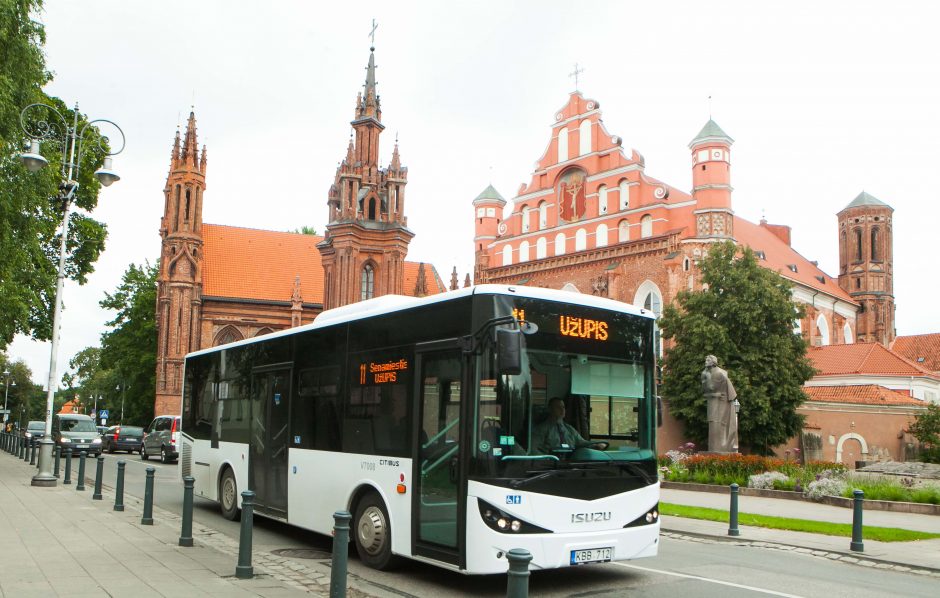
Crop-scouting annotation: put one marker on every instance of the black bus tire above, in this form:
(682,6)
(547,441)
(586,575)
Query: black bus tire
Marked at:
(228,495)
(373,533)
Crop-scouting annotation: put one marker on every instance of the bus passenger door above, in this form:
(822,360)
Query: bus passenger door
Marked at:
(267,457)
(439,502)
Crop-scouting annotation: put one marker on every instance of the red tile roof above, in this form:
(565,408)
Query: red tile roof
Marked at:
(922,349)
(864,394)
(247,263)
(779,256)
(866,359)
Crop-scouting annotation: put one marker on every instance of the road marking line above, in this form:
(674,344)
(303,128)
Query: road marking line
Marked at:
(709,580)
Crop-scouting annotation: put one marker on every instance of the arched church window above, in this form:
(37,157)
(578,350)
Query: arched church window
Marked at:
(227,335)
(187,203)
(823,327)
(372,214)
(560,241)
(523,251)
(580,240)
(541,248)
(875,256)
(585,142)
(507,255)
(653,301)
(601,236)
(368,283)
(623,231)
(602,199)
(847,334)
(624,194)
(264,331)
(176,210)
(858,244)
(563,144)
(526,214)
(543,215)
(646,226)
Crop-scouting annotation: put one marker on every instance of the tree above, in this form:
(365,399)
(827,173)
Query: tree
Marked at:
(24,399)
(129,352)
(30,217)
(305,230)
(926,426)
(744,316)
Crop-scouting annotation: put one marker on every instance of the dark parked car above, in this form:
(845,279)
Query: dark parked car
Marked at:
(162,438)
(76,431)
(122,438)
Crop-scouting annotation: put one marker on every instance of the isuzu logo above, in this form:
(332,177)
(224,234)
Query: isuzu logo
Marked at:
(590,517)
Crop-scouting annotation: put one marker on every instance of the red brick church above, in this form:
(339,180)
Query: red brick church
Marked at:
(592,220)
(218,284)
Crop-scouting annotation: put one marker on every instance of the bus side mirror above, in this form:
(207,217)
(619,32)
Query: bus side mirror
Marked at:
(659,411)
(509,349)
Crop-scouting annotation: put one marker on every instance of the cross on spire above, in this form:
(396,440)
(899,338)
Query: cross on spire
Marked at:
(372,33)
(577,71)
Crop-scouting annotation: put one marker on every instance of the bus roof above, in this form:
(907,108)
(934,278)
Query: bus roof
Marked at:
(393,303)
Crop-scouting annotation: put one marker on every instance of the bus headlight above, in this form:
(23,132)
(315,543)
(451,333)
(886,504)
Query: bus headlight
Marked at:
(501,521)
(650,517)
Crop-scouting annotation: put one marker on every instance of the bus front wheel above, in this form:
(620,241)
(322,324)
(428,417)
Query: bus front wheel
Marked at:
(228,495)
(373,533)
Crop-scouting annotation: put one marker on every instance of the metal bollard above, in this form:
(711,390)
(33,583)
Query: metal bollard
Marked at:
(517,585)
(81,471)
(34,444)
(244,570)
(340,554)
(57,453)
(99,472)
(119,487)
(733,523)
(186,534)
(857,545)
(147,518)
(24,450)
(68,466)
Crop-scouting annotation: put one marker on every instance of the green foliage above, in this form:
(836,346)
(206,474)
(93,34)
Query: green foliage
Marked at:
(926,426)
(123,369)
(24,399)
(305,230)
(745,318)
(30,215)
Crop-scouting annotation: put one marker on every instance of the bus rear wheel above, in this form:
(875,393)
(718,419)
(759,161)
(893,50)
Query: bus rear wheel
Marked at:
(373,534)
(228,495)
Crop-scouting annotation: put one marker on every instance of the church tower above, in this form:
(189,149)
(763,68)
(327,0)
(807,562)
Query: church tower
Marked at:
(179,281)
(366,241)
(866,266)
(488,207)
(711,183)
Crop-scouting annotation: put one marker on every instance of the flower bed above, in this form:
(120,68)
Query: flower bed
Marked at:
(814,480)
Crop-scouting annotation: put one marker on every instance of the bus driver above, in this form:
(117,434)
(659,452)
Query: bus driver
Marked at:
(555,434)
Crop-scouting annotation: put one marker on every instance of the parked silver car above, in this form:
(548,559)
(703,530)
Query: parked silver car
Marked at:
(161,438)
(76,431)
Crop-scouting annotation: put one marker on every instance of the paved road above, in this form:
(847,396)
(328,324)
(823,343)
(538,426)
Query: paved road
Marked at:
(703,568)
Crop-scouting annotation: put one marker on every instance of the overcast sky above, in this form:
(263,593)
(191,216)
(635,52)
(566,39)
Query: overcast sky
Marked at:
(823,99)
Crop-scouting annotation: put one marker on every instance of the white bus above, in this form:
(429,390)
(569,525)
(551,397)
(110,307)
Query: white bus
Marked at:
(435,422)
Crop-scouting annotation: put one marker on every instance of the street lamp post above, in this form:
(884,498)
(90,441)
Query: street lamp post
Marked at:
(6,395)
(123,388)
(42,122)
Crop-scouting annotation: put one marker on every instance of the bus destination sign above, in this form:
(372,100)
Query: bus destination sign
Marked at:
(381,373)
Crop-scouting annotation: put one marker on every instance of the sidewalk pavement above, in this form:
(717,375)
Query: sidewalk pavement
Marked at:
(922,556)
(58,541)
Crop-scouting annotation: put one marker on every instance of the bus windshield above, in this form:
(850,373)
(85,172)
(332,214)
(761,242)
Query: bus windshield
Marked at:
(579,403)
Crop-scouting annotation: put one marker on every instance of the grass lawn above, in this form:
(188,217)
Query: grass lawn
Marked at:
(881,534)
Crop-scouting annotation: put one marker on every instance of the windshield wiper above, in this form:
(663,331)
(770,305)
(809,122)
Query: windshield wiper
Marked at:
(541,476)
